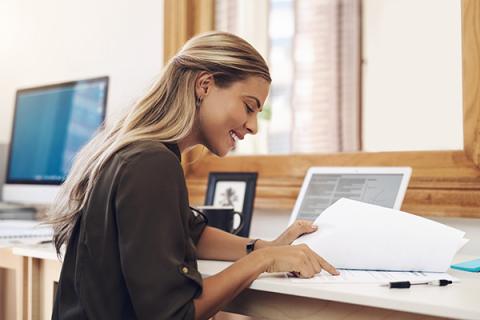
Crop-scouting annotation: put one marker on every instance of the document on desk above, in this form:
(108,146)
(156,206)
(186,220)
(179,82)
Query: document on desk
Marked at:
(13,232)
(361,236)
(374,277)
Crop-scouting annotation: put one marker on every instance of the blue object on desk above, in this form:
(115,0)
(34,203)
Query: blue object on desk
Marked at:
(471,266)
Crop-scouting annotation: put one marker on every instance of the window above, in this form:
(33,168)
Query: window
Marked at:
(313,50)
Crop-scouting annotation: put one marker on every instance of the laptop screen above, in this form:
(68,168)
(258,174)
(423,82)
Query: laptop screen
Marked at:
(324,189)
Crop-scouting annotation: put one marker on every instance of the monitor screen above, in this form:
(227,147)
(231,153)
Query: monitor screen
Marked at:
(51,124)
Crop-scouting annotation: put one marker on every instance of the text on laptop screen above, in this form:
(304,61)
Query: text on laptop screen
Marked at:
(324,189)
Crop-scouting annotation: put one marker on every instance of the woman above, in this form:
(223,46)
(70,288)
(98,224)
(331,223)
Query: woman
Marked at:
(132,240)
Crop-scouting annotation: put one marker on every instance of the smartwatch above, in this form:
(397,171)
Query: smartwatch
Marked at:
(251,245)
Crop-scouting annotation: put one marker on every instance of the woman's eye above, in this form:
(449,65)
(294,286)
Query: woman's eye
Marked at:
(249,110)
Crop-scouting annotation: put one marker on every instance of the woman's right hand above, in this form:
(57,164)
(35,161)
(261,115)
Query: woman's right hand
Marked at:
(298,259)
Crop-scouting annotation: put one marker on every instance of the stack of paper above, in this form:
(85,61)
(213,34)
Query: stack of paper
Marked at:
(23,232)
(357,235)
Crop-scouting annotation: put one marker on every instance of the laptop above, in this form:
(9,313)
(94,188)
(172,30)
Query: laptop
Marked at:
(322,186)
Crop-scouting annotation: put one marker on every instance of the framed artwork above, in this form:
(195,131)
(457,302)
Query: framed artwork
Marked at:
(236,189)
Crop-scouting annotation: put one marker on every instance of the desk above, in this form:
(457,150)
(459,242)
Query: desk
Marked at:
(272,296)
(17,264)
(275,297)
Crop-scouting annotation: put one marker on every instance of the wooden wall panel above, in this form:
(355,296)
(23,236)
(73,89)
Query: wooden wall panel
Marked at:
(471,77)
(182,20)
(176,27)
(447,164)
(443,183)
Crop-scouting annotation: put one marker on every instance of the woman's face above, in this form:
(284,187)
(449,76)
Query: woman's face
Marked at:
(226,115)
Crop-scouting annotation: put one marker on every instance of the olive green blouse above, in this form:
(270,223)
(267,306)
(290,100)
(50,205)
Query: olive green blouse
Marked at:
(131,254)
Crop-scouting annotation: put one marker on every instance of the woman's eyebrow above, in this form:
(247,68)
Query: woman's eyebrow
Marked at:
(256,100)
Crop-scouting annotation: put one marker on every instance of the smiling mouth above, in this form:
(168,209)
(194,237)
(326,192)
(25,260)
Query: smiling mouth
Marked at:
(234,137)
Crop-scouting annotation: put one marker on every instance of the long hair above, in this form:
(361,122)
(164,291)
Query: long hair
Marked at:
(165,114)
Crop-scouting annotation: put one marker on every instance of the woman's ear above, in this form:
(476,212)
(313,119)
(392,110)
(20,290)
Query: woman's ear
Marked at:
(203,84)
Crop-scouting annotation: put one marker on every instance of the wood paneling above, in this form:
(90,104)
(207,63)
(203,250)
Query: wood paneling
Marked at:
(18,265)
(184,19)
(443,183)
(175,26)
(471,77)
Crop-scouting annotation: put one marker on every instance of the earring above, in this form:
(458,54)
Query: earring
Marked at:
(198,102)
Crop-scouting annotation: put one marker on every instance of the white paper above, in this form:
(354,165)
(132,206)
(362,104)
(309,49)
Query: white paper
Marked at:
(374,277)
(357,235)
(14,232)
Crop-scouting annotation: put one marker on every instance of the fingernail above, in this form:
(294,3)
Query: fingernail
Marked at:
(314,226)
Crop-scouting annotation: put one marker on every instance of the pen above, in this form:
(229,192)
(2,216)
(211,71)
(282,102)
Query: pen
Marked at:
(407,284)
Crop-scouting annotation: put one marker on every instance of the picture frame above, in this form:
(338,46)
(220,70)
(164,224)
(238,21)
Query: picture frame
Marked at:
(235,189)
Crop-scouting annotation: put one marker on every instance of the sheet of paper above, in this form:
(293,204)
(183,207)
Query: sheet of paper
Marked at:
(13,232)
(357,235)
(374,277)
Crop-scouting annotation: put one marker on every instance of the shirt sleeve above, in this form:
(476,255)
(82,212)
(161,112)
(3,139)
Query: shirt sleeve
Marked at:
(153,235)
(197,225)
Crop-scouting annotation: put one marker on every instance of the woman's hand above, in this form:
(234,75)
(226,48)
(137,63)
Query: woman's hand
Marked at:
(299,259)
(294,231)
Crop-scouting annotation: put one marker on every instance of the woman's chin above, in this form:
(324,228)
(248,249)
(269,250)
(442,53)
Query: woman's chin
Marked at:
(219,151)
(225,150)
(222,153)
(219,147)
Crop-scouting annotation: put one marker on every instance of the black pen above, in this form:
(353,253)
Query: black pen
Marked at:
(408,284)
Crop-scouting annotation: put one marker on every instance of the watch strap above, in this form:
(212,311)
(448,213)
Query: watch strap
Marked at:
(251,245)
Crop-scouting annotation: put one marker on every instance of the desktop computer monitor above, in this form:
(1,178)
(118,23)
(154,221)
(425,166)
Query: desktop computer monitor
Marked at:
(51,124)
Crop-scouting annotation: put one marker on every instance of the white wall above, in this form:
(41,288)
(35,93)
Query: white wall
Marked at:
(412,98)
(50,41)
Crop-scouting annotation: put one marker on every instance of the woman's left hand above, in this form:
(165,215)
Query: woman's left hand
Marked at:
(294,231)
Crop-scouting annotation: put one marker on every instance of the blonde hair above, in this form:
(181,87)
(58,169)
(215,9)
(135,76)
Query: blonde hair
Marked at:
(166,114)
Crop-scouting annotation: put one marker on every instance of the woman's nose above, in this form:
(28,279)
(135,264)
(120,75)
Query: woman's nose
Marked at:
(251,125)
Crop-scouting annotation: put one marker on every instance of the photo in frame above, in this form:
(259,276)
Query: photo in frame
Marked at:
(236,189)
